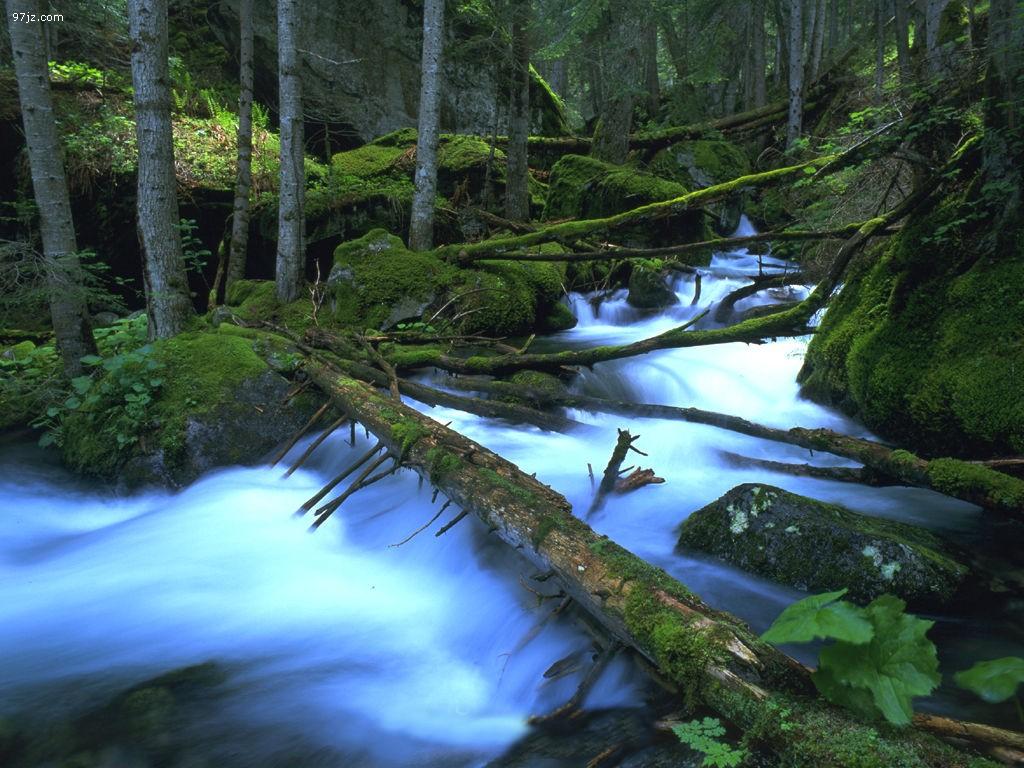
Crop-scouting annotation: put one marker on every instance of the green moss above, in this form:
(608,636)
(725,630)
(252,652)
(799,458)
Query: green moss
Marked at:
(441,463)
(256,300)
(702,163)
(959,478)
(546,107)
(494,478)
(585,187)
(924,342)
(407,433)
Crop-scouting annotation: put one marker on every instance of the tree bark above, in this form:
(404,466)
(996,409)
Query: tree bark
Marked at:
(903,42)
(611,136)
(932,12)
(168,301)
(880,6)
(757,56)
(652,87)
(65,286)
(517,193)
(796,72)
(818,40)
(243,182)
(291,216)
(421,221)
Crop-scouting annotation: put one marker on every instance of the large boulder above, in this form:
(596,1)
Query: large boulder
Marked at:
(361,66)
(704,163)
(923,343)
(582,187)
(376,282)
(211,400)
(371,187)
(817,547)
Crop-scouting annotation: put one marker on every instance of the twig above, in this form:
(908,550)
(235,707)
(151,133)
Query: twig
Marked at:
(314,445)
(422,528)
(345,473)
(451,524)
(298,435)
(329,508)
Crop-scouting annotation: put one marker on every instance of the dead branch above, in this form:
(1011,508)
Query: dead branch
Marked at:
(314,445)
(298,435)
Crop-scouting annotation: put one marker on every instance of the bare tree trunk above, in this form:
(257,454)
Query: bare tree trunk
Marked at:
(817,40)
(560,77)
(676,49)
(291,215)
(879,49)
(168,302)
(517,194)
(64,277)
(833,25)
(932,12)
(651,85)
(1005,42)
(757,57)
(810,10)
(796,72)
(421,223)
(902,41)
(243,181)
(611,136)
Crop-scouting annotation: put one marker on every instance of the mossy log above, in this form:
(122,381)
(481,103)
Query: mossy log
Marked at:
(613,253)
(572,231)
(708,655)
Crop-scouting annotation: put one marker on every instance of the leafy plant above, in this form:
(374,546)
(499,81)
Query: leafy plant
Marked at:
(192,247)
(880,660)
(704,736)
(995,681)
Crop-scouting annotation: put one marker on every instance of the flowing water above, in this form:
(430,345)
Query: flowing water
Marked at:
(340,649)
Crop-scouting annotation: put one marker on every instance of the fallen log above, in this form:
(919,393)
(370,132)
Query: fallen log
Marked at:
(712,658)
(724,310)
(613,253)
(965,480)
(572,231)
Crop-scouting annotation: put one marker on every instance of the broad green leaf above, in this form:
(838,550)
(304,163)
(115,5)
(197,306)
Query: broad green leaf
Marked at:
(820,616)
(995,680)
(898,664)
(81,384)
(92,360)
(72,403)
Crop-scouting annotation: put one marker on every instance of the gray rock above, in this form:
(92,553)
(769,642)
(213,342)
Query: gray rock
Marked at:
(819,547)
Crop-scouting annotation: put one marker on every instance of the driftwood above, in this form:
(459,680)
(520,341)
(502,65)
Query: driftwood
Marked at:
(709,655)
(725,309)
(610,478)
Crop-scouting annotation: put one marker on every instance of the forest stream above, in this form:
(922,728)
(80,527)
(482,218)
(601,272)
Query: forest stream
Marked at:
(340,648)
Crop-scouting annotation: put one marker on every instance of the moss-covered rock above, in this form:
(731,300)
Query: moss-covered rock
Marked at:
(377,282)
(704,163)
(818,547)
(372,186)
(582,187)
(216,402)
(648,289)
(925,343)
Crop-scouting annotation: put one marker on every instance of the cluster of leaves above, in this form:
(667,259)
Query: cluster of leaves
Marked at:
(30,377)
(192,249)
(85,75)
(881,657)
(705,736)
(122,385)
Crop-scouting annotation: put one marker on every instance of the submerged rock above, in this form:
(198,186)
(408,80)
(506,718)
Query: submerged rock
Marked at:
(816,547)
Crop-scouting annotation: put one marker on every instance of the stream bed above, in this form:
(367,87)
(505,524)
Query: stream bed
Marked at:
(338,649)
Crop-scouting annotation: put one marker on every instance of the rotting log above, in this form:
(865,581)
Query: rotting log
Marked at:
(710,656)
(964,480)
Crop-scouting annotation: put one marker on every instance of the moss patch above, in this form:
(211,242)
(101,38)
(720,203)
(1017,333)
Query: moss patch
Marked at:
(925,342)
(701,163)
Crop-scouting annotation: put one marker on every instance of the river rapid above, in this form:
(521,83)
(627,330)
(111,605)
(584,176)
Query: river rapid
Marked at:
(340,649)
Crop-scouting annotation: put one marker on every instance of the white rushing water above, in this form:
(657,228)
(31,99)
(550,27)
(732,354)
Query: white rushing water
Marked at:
(340,644)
